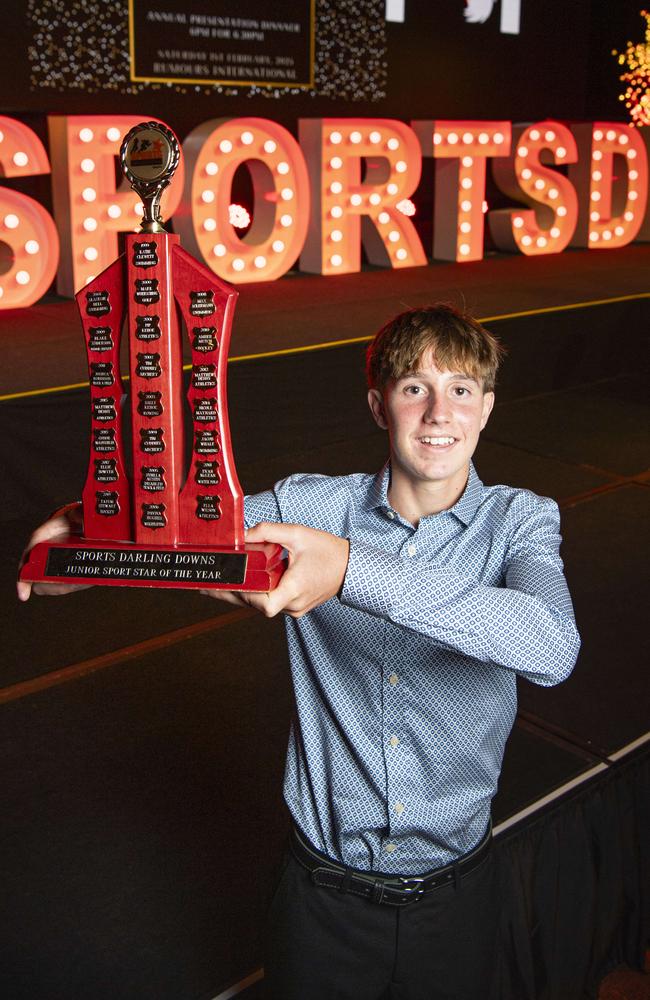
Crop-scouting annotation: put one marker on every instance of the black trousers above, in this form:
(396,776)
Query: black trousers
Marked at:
(326,945)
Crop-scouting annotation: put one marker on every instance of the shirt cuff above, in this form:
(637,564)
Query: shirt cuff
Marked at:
(373,580)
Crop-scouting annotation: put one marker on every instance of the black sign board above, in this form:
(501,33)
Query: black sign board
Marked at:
(120,562)
(263,43)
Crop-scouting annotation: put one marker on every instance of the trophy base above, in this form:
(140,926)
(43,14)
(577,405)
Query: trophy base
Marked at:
(253,568)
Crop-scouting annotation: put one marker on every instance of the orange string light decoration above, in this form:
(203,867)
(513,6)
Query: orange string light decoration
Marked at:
(637,77)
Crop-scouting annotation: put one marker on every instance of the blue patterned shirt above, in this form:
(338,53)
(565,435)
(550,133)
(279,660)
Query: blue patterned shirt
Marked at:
(405,684)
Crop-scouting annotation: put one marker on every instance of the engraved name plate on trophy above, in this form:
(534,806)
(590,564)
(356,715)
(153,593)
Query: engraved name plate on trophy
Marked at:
(172,516)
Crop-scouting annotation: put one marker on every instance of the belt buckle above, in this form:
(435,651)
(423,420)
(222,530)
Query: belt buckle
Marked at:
(413,887)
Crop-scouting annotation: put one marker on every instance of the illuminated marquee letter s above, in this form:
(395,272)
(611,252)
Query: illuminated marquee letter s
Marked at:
(25,227)
(548,225)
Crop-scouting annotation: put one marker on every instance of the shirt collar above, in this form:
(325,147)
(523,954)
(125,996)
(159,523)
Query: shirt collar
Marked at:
(464,509)
(470,499)
(378,489)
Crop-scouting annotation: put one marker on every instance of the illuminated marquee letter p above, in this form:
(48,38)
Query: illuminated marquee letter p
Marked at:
(90,208)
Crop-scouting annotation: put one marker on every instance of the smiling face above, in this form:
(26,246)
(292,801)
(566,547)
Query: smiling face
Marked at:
(434,419)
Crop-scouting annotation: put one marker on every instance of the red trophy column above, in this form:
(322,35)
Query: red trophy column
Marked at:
(106,495)
(212,509)
(156,388)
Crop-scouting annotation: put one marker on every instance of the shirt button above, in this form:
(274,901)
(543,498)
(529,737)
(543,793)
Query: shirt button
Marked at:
(393,679)
(390,514)
(411,549)
(389,848)
(399,808)
(394,740)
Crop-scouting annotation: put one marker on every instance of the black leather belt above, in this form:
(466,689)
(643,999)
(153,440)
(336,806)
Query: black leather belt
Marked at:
(392,890)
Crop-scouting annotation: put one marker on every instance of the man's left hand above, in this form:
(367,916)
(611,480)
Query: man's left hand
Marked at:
(316,570)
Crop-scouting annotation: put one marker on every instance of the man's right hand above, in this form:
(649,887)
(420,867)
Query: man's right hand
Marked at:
(67,521)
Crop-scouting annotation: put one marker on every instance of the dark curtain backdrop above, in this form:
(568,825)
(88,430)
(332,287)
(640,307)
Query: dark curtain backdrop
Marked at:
(576,890)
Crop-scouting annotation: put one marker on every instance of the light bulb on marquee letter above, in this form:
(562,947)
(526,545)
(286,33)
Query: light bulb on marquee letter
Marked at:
(346,210)
(611,209)
(213,152)
(25,226)
(524,177)
(643,235)
(460,150)
(89,209)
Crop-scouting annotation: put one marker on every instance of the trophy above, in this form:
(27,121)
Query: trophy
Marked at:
(160,523)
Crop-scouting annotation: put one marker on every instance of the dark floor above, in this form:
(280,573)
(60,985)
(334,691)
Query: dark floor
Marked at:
(42,346)
(621,984)
(141,807)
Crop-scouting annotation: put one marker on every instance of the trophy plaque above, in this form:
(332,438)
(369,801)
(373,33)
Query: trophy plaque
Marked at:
(161,522)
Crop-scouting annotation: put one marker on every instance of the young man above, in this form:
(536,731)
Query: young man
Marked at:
(413,598)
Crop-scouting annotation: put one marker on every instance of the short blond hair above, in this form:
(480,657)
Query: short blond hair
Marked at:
(457,341)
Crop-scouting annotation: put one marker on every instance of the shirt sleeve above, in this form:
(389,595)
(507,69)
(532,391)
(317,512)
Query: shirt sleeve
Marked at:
(526,625)
(261,507)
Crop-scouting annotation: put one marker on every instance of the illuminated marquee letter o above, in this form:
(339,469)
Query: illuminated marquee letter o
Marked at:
(25,226)
(213,152)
